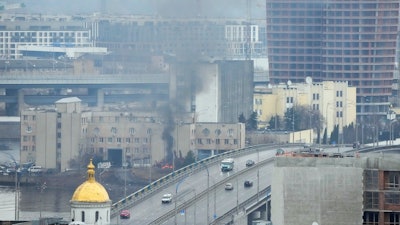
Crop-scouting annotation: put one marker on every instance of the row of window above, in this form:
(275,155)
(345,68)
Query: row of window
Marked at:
(44,34)
(128,150)
(136,140)
(217,141)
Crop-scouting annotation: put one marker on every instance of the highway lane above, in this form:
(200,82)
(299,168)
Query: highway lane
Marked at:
(151,209)
(226,200)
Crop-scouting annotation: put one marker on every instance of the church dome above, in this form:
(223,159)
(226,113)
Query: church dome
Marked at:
(90,190)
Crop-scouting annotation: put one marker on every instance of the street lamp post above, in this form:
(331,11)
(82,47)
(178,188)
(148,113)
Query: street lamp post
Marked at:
(42,187)
(124,166)
(16,185)
(391,116)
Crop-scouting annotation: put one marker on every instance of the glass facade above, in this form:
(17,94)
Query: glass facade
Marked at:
(353,41)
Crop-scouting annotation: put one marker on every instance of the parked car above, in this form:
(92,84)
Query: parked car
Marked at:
(248,183)
(250,163)
(35,169)
(228,186)
(280,151)
(166,198)
(125,214)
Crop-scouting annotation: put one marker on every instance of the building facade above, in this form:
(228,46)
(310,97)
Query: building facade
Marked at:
(60,137)
(334,101)
(350,190)
(339,40)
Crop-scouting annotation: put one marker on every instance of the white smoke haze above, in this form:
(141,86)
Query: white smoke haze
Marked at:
(164,8)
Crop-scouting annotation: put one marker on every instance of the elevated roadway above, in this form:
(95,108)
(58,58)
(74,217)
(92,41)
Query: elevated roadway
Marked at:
(138,87)
(199,194)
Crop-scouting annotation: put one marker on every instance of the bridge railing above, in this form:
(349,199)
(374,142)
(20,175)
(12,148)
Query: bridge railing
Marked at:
(190,202)
(154,187)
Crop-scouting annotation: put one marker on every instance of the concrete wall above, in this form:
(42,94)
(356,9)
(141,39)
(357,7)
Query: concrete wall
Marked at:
(328,191)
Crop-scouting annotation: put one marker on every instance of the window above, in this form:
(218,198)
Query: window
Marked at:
(137,140)
(83,216)
(131,130)
(128,140)
(25,138)
(113,130)
(97,216)
(119,140)
(25,117)
(149,131)
(226,141)
(101,139)
(110,140)
(206,132)
(28,129)
(208,141)
(199,141)
(230,132)
(217,141)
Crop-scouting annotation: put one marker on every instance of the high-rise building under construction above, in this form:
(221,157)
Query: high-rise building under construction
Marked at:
(348,40)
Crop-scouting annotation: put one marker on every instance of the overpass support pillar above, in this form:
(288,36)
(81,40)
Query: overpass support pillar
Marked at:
(21,100)
(100,98)
(13,109)
(99,94)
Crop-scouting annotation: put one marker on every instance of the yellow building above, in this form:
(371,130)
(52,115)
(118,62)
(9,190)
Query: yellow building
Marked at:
(335,101)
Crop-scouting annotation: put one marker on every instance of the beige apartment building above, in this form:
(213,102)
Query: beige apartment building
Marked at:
(56,136)
(336,102)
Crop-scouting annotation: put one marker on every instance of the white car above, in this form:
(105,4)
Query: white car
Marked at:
(228,186)
(35,169)
(166,198)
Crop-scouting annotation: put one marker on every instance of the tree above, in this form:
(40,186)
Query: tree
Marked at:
(275,122)
(189,159)
(335,135)
(325,138)
(251,123)
(242,119)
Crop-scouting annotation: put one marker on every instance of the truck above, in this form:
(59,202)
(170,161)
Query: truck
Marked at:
(227,164)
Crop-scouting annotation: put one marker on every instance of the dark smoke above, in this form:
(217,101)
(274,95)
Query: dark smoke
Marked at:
(169,127)
(171,115)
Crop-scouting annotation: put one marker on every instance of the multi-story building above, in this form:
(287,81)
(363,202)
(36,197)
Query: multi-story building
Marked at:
(351,190)
(57,137)
(339,40)
(334,101)
(45,37)
(191,39)
(215,92)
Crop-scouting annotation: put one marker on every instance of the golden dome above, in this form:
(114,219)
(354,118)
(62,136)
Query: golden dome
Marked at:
(90,190)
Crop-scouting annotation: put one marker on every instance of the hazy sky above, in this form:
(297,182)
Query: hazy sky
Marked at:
(176,8)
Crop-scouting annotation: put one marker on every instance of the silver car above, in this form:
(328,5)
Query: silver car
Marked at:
(228,186)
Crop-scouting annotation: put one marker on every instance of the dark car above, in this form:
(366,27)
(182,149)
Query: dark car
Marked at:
(125,214)
(248,183)
(249,163)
